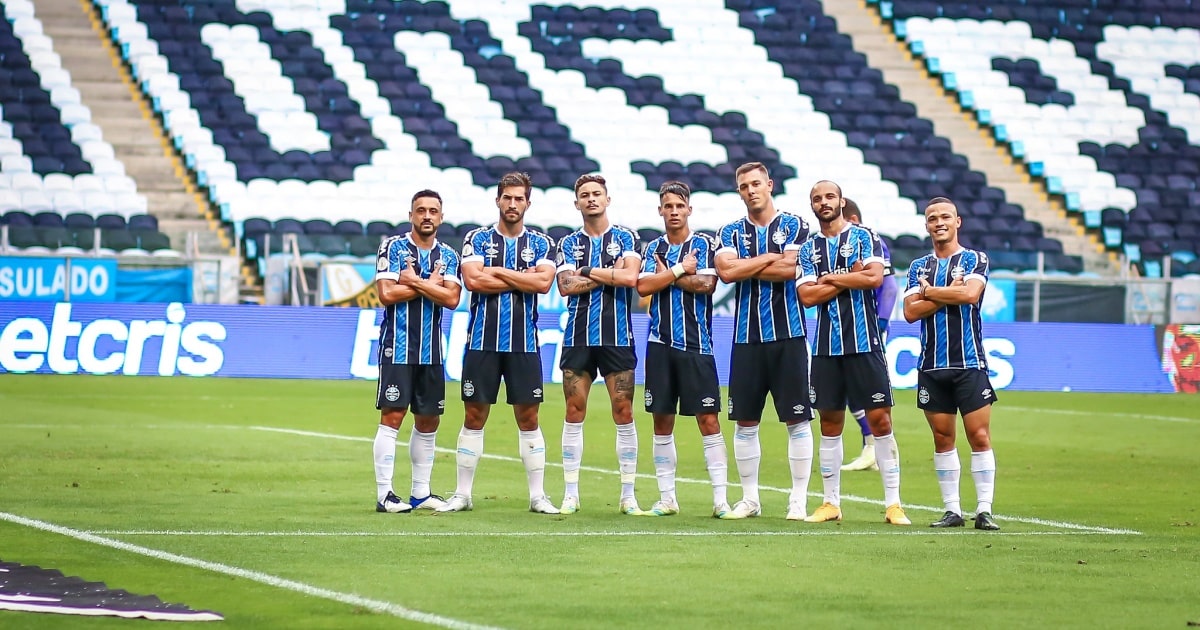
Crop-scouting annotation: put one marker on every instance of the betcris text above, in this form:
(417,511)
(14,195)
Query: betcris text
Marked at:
(166,346)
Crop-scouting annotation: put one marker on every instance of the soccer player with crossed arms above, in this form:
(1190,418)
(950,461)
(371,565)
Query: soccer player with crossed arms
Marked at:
(504,266)
(770,354)
(417,276)
(681,372)
(945,291)
(597,272)
(841,266)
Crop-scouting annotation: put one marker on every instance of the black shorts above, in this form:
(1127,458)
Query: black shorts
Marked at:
(950,391)
(686,379)
(858,380)
(602,360)
(419,387)
(522,373)
(778,367)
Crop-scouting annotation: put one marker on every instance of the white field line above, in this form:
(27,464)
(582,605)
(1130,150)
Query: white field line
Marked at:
(845,497)
(1093,414)
(262,578)
(615,534)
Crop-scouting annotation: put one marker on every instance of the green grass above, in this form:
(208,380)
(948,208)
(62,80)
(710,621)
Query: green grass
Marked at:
(123,457)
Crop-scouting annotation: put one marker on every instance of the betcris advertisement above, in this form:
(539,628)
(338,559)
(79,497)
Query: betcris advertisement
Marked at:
(341,343)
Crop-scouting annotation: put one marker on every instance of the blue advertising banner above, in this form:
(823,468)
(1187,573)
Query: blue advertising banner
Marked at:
(334,343)
(34,278)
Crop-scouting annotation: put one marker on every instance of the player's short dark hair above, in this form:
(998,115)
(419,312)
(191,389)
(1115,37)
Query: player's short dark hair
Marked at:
(588,178)
(751,166)
(828,181)
(675,187)
(851,209)
(515,178)
(937,200)
(426,193)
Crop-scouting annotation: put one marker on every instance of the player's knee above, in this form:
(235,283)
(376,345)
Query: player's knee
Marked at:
(391,417)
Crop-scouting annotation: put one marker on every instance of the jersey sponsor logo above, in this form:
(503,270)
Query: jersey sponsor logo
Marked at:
(468,388)
(815,258)
(649,398)
(491,251)
(708,401)
(577,251)
(613,249)
(878,397)
(382,265)
(923,396)
(392,393)
(745,239)
(527,255)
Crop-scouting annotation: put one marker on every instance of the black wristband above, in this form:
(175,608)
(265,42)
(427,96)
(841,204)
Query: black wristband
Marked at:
(584,271)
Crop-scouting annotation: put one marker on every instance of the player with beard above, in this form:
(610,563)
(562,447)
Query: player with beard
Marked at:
(417,276)
(841,266)
(504,266)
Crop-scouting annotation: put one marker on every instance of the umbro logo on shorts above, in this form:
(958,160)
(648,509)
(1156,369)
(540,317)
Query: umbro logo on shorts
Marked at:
(878,397)
(798,408)
(708,401)
(987,393)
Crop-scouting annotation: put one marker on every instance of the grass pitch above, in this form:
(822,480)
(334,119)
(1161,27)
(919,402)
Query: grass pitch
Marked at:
(255,498)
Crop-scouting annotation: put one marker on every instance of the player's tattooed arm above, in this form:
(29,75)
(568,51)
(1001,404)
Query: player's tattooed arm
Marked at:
(572,283)
(700,283)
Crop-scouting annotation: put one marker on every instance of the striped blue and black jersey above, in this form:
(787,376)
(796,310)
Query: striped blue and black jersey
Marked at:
(680,319)
(847,324)
(602,316)
(766,311)
(505,322)
(411,332)
(952,337)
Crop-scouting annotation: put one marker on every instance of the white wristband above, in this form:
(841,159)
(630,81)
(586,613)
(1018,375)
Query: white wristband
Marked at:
(677,269)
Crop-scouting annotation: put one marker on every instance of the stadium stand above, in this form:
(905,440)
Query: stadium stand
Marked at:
(1098,98)
(299,117)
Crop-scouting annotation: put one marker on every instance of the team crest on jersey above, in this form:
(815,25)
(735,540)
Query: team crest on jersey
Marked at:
(392,393)
(812,394)
(846,250)
(527,255)
(923,396)
(468,250)
(957,272)
(779,237)
(468,388)
(387,352)
(613,249)
(649,398)
(439,266)
(708,401)
(382,265)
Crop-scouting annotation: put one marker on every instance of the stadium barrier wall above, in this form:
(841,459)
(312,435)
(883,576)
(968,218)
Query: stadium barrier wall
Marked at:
(341,343)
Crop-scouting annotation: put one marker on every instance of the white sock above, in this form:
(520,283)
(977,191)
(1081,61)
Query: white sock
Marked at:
(800,456)
(533,454)
(572,453)
(664,466)
(470,449)
(747,452)
(627,455)
(717,463)
(420,452)
(948,470)
(385,460)
(983,471)
(831,469)
(887,455)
